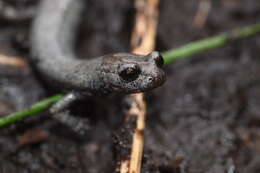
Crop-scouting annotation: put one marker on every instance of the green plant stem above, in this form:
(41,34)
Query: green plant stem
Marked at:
(169,57)
(209,43)
(34,109)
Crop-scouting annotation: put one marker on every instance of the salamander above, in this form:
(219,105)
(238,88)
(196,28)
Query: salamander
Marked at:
(53,37)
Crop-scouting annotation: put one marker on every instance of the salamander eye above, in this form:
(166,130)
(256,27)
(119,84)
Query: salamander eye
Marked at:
(129,72)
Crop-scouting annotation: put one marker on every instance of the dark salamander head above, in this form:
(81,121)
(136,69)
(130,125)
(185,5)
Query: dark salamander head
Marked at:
(131,73)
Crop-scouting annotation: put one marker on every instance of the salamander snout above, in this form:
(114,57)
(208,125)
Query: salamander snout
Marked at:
(157,58)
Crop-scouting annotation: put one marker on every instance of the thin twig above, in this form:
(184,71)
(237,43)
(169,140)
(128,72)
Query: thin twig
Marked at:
(143,41)
(34,109)
(202,13)
(209,43)
(145,29)
(13,61)
(124,166)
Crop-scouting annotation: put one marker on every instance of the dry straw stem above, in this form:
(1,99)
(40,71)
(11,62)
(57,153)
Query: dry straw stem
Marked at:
(202,13)
(13,61)
(142,42)
(124,166)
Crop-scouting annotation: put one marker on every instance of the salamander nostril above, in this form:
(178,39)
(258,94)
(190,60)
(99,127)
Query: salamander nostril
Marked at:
(159,61)
(150,79)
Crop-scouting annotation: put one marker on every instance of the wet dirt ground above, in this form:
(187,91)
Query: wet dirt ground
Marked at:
(206,117)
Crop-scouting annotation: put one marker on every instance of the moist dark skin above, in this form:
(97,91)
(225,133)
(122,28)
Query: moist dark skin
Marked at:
(53,38)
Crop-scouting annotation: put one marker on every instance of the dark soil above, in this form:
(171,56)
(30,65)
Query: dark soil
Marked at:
(205,119)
